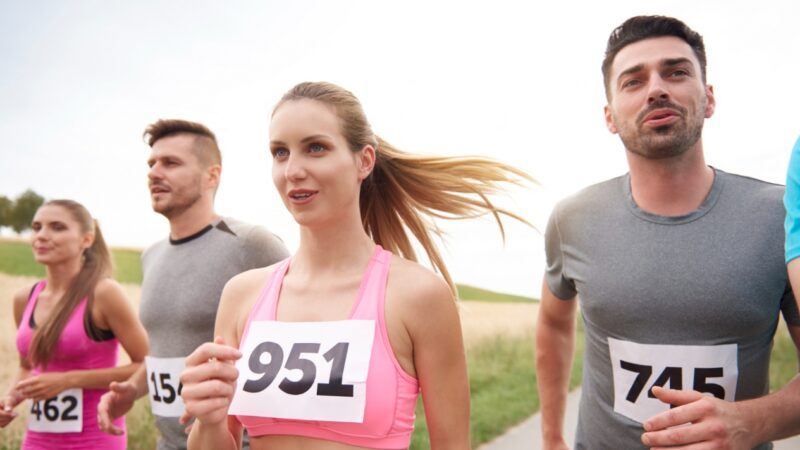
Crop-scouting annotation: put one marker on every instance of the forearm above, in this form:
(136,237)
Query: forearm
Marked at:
(101,378)
(211,437)
(775,416)
(555,347)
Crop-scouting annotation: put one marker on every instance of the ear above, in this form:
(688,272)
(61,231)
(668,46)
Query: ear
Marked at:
(87,241)
(711,101)
(214,172)
(365,161)
(609,120)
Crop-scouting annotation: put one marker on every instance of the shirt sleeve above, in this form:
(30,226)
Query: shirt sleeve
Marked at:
(560,285)
(791,201)
(262,248)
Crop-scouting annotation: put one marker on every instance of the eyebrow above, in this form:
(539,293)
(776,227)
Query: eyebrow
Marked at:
(304,140)
(669,62)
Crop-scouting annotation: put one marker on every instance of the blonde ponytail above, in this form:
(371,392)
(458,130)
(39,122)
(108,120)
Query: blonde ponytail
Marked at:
(406,191)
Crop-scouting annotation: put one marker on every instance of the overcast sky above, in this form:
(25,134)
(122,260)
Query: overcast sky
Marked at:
(517,81)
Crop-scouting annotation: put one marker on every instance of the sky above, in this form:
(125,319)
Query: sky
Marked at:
(515,81)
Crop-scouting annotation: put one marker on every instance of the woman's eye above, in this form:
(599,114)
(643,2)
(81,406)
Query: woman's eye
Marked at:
(316,148)
(280,152)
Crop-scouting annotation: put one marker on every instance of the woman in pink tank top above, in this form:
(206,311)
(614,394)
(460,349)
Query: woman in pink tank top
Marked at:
(69,327)
(332,347)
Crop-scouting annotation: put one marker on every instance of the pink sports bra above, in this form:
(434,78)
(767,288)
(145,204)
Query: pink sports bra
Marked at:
(391,394)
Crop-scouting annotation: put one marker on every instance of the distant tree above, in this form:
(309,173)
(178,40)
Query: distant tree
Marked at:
(6,206)
(25,207)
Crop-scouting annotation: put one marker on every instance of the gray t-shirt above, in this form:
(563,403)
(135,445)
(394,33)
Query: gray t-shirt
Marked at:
(690,301)
(181,288)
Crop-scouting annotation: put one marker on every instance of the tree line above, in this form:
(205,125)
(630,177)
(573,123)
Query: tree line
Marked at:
(18,213)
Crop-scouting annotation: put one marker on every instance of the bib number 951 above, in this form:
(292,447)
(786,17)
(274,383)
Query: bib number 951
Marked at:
(304,370)
(337,356)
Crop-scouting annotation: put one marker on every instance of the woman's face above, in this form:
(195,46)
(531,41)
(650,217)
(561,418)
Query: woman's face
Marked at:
(317,175)
(57,237)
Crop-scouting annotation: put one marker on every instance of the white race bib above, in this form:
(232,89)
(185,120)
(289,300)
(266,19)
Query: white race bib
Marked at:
(60,414)
(710,369)
(305,370)
(163,383)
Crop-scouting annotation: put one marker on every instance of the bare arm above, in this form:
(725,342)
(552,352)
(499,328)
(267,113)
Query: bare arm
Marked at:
(555,347)
(435,330)
(209,379)
(11,397)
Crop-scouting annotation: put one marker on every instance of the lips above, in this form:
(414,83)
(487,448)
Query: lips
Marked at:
(158,189)
(301,195)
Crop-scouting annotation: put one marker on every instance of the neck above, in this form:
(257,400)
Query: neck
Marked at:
(59,276)
(192,220)
(671,186)
(341,247)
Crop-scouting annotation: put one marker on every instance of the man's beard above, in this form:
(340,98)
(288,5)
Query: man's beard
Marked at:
(178,205)
(667,141)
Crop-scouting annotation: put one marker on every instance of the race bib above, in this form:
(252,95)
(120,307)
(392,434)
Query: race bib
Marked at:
(710,369)
(60,414)
(305,370)
(163,383)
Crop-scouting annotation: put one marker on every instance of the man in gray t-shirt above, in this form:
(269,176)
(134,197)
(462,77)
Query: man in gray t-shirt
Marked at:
(678,268)
(184,274)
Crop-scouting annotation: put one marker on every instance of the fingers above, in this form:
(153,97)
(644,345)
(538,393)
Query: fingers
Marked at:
(104,420)
(691,406)
(696,433)
(217,350)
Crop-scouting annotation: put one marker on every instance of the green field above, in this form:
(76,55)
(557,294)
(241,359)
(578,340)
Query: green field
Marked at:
(16,258)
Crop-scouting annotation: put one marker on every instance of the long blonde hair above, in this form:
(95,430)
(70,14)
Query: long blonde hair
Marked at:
(406,191)
(95,265)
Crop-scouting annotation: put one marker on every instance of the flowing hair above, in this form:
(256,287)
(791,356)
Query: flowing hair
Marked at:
(406,191)
(95,265)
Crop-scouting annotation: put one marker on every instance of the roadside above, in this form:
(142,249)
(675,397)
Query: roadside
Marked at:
(527,435)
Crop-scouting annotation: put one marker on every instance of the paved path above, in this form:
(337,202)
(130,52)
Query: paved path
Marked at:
(527,435)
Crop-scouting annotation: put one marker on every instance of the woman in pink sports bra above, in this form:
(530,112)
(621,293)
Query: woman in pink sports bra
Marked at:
(332,347)
(69,327)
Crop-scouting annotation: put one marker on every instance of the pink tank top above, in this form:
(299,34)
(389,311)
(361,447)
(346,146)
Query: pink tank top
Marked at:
(391,394)
(74,351)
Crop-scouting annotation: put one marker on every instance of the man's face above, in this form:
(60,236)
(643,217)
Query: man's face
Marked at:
(176,176)
(658,100)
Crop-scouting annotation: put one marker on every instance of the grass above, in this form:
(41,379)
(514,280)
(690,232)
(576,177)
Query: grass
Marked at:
(466,292)
(16,258)
(503,388)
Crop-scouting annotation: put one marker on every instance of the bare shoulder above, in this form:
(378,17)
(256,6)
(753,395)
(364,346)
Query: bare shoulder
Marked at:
(416,287)
(108,290)
(238,297)
(20,301)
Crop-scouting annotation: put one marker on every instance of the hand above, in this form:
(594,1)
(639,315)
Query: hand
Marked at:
(710,422)
(7,405)
(43,386)
(113,404)
(209,382)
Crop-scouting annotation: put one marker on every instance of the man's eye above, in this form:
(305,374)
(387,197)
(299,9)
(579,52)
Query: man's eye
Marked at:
(630,83)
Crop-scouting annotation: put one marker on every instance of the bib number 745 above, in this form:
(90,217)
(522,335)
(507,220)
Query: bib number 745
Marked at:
(710,369)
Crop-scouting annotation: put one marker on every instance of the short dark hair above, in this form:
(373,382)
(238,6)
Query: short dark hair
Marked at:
(206,149)
(644,27)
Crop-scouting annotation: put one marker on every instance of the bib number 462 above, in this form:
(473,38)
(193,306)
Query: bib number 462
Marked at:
(60,414)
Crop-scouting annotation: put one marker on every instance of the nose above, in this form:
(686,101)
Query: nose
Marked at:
(294,168)
(657,89)
(154,173)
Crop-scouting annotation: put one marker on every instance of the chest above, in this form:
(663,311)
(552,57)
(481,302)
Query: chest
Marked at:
(701,278)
